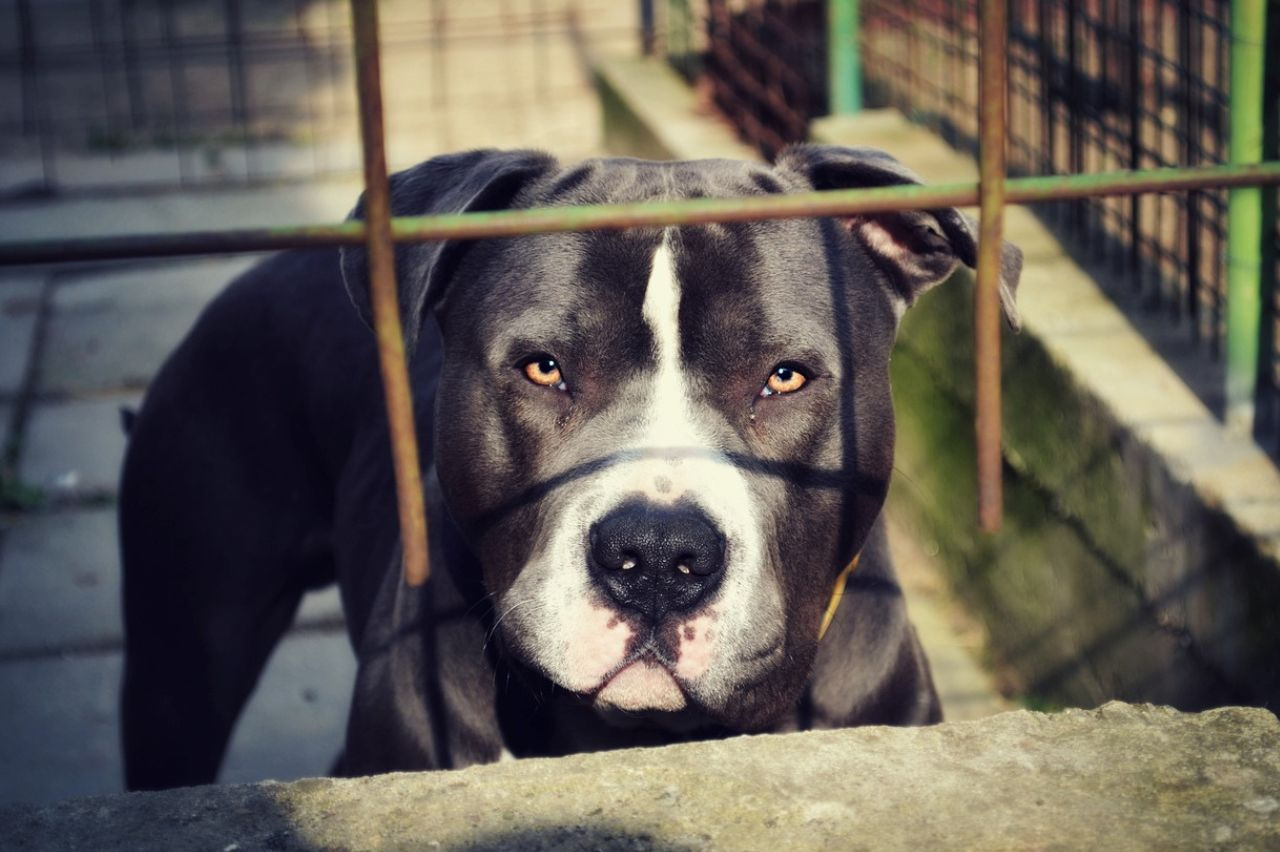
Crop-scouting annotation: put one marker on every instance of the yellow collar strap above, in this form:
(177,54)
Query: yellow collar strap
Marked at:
(837,595)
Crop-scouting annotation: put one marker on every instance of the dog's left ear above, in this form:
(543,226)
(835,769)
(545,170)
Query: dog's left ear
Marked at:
(454,183)
(917,249)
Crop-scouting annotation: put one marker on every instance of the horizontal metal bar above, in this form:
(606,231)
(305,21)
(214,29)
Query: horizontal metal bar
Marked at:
(509,223)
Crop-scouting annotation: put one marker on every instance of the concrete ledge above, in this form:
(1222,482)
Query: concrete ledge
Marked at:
(1144,777)
(650,112)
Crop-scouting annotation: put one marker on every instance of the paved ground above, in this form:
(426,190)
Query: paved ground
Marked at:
(76,346)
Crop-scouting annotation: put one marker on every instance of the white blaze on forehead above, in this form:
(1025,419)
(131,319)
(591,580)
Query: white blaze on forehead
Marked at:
(668,408)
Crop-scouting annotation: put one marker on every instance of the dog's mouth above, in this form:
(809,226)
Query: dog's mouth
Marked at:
(644,682)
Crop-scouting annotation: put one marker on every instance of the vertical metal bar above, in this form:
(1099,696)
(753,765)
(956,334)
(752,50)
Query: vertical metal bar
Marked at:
(382,283)
(439,72)
(177,90)
(539,32)
(27,63)
(35,104)
(955,72)
(647,29)
(1187,56)
(993,89)
(1135,132)
(1266,428)
(1046,87)
(844,68)
(96,27)
(515,104)
(133,75)
(1075,121)
(1244,213)
(300,31)
(234,20)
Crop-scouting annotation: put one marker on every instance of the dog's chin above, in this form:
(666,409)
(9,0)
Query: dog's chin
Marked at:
(642,686)
(644,694)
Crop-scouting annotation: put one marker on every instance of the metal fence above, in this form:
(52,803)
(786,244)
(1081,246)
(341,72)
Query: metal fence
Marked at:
(123,94)
(1094,85)
(766,64)
(379,233)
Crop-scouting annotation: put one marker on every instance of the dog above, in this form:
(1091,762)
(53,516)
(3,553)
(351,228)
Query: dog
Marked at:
(655,464)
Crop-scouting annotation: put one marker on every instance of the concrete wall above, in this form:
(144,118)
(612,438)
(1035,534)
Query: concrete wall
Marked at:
(1121,776)
(1140,557)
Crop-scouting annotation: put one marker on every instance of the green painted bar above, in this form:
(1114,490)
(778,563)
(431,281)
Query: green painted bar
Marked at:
(1244,213)
(844,65)
(508,223)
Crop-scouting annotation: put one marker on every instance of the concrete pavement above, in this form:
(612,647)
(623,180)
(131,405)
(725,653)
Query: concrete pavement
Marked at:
(75,346)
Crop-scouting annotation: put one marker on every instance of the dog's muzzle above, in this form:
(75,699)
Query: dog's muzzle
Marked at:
(655,560)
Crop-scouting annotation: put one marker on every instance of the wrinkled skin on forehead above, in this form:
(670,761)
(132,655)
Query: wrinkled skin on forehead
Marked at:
(817,463)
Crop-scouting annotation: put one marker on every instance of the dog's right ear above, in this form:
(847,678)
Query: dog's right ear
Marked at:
(454,183)
(917,249)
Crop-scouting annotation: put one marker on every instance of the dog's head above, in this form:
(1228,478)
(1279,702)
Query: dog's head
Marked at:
(665,444)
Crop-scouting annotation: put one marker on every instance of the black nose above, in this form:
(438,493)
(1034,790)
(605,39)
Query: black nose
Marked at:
(656,559)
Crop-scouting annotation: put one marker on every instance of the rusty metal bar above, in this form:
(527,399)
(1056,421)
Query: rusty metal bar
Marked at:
(382,284)
(993,90)
(509,223)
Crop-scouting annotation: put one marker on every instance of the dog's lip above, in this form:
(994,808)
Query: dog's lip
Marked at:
(646,654)
(644,687)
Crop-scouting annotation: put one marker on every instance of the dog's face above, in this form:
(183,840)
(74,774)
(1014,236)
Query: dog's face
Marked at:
(664,444)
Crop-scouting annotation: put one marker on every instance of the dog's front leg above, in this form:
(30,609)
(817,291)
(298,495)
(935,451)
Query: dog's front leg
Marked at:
(425,691)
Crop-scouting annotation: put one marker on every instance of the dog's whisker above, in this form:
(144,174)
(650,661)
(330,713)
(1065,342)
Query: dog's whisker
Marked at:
(486,598)
(497,621)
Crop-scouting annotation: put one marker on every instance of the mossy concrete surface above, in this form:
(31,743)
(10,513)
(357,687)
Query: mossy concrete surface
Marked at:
(1139,555)
(1119,777)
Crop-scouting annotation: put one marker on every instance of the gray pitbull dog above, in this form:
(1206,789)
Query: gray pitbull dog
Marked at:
(652,454)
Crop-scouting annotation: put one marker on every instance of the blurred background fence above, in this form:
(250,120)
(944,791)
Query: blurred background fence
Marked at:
(180,93)
(1094,85)
(184,93)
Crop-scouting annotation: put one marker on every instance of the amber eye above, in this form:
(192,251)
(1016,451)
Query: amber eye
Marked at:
(784,379)
(545,371)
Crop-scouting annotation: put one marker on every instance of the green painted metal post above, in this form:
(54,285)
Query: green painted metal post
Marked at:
(844,66)
(1244,213)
